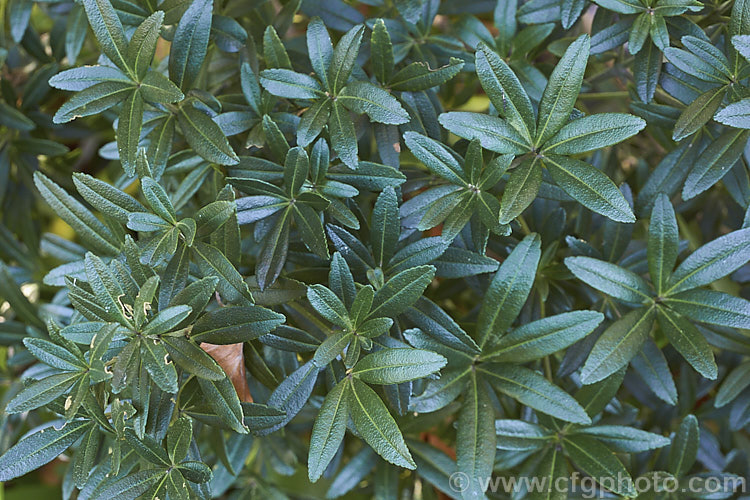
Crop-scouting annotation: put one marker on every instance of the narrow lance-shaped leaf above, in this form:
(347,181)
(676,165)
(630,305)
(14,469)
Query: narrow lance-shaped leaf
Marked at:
(590,187)
(329,430)
(401,291)
(494,133)
(156,359)
(108,31)
(214,263)
(320,49)
(292,394)
(190,43)
(93,100)
(562,90)
(379,105)
(142,45)
(505,91)
(205,136)
(662,242)
(419,76)
(376,425)
(475,438)
(129,131)
(593,132)
(599,462)
(290,84)
(222,397)
(708,306)
(533,390)
(688,341)
(618,344)
(684,447)
(521,189)
(344,58)
(395,366)
(39,448)
(712,261)
(508,290)
(544,337)
(611,279)
(343,135)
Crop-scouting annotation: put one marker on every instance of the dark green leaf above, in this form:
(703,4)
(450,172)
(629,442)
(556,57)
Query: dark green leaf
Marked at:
(494,133)
(329,430)
(533,390)
(394,366)
(475,438)
(344,58)
(712,261)
(684,447)
(401,291)
(688,341)
(142,45)
(376,425)
(108,31)
(230,325)
(508,290)
(39,449)
(190,44)
(379,105)
(599,462)
(589,186)
(611,279)
(544,337)
(593,132)
(205,136)
(562,90)
(619,343)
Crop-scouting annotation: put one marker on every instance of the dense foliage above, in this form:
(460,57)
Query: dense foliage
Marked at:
(392,248)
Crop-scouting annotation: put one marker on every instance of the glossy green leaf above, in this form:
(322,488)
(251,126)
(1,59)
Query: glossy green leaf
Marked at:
(475,451)
(376,425)
(39,449)
(619,343)
(533,390)
(589,186)
(394,366)
(190,44)
(142,44)
(205,136)
(688,341)
(712,261)
(543,337)
(329,430)
(508,290)
(379,105)
(561,91)
(610,279)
